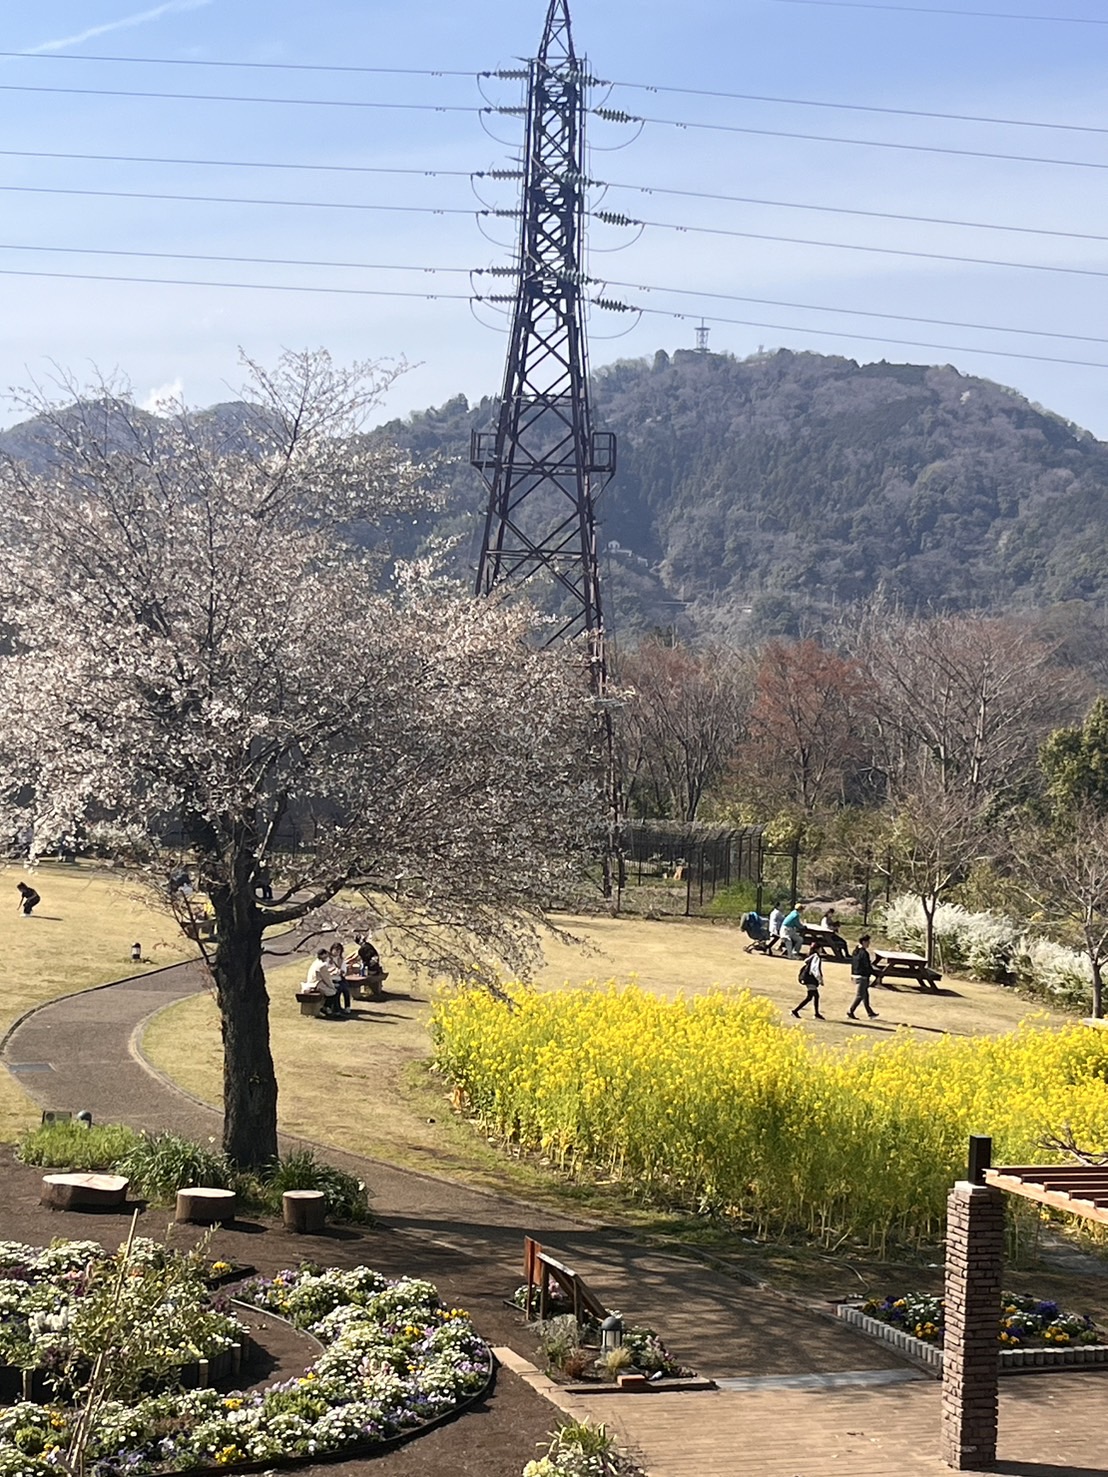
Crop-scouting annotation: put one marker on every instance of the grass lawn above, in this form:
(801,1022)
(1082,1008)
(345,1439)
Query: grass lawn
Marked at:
(361,1084)
(79,935)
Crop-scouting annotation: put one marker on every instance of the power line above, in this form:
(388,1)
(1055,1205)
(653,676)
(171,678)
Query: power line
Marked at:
(618,115)
(243,164)
(502,174)
(250,200)
(220,97)
(492,298)
(612,218)
(170,61)
(770,302)
(363,266)
(458,297)
(882,215)
(175,61)
(805,102)
(992,15)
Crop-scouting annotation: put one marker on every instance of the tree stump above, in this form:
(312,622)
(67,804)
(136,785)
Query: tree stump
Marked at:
(206,1207)
(304,1210)
(83,1191)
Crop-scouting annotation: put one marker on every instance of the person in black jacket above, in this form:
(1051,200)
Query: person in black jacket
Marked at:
(861,976)
(28,899)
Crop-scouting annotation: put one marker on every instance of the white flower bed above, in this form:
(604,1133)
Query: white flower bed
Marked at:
(393,1359)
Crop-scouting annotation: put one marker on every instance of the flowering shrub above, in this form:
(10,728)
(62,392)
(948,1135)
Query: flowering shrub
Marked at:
(1023,1320)
(710,1102)
(988,946)
(393,1358)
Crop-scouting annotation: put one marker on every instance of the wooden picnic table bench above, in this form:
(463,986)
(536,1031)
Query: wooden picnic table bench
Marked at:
(830,943)
(892,965)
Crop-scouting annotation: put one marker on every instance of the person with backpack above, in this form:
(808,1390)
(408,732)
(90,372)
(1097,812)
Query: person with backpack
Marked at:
(811,977)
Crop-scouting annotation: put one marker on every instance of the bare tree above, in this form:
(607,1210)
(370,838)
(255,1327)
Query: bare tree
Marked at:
(976,695)
(684,714)
(1064,868)
(939,827)
(203,659)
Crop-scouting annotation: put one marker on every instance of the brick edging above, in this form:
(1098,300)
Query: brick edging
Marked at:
(930,1356)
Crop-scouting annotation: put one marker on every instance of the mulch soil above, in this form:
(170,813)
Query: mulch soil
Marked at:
(492,1439)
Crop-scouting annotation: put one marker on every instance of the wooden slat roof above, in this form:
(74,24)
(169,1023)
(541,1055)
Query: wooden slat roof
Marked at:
(1082,1189)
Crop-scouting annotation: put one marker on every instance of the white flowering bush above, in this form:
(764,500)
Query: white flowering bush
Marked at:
(394,1357)
(988,946)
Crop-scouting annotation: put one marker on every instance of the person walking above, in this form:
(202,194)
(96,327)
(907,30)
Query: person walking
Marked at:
(811,977)
(861,976)
(792,935)
(28,899)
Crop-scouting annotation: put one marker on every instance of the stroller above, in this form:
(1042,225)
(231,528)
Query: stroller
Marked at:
(757,930)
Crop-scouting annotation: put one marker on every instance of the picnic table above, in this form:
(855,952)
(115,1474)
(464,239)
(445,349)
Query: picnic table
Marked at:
(892,965)
(829,941)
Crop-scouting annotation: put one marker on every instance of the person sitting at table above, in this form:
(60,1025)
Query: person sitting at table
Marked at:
(756,929)
(792,935)
(776,918)
(830,921)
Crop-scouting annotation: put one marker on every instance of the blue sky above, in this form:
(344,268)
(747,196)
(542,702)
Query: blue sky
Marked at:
(924,59)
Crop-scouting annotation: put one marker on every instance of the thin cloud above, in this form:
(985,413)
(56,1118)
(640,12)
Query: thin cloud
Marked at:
(171,7)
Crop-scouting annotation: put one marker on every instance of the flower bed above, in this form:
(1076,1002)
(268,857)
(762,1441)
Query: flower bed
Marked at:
(1032,1332)
(394,1359)
(61,1306)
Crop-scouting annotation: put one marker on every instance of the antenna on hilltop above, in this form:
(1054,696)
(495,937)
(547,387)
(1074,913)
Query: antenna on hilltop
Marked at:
(702,337)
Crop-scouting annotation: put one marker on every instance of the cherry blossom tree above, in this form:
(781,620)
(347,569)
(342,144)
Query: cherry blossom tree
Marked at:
(204,664)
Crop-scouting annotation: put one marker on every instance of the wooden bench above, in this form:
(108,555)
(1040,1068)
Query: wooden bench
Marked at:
(310,1003)
(83,1191)
(831,945)
(896,966)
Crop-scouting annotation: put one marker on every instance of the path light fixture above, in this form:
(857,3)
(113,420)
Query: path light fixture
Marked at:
(136,953)
(85,1117)
(611,1334)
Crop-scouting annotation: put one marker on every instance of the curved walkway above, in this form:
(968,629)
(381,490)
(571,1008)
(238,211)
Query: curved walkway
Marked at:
(78,1052)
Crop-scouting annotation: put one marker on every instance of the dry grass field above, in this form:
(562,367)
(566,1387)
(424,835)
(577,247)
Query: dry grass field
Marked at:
(357,1084)
(79,935)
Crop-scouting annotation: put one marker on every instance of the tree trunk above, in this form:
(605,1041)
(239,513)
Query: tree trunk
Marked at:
(249,1080)
(1098,990)
(929,905)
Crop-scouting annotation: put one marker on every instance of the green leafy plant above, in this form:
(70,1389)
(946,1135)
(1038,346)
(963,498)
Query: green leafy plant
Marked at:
(559,1338)
(301,1170)
(73,1146)
(160,1164)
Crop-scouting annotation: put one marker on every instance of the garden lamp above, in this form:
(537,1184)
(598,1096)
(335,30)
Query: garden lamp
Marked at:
(611,1334)
(136,953)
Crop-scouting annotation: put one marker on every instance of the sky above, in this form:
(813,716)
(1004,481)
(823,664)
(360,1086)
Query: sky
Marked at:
(329,210)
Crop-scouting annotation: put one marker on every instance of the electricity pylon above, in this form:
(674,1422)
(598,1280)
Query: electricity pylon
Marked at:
(544,464)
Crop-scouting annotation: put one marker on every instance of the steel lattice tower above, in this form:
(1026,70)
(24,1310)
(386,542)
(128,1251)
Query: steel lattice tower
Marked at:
(544,464)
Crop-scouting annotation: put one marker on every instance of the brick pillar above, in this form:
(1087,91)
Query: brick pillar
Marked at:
(974,1262)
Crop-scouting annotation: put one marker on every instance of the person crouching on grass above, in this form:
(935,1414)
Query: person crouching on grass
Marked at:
(28,899)
(811,977)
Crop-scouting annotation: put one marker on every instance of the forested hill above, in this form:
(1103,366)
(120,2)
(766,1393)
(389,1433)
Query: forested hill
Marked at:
(756,489)
(787,479)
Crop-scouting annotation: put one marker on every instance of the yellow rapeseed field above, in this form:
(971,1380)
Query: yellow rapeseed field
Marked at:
(711,1101)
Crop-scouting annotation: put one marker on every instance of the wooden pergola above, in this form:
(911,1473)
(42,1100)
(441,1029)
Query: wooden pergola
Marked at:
(974,1267)
(1081,1189)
